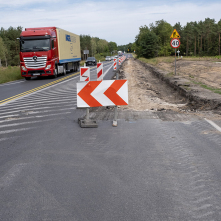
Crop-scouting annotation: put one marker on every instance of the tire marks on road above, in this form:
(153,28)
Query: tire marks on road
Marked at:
(193,182)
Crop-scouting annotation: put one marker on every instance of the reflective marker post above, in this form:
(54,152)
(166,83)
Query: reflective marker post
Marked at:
(115,108)
(178,53)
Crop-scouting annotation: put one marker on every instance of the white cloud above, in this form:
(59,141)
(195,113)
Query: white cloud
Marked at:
(16,3)
(114,21)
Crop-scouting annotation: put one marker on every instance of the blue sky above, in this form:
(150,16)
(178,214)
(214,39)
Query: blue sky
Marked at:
(116,20)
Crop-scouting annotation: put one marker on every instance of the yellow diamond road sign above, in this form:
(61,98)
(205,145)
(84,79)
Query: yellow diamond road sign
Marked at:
(175,34)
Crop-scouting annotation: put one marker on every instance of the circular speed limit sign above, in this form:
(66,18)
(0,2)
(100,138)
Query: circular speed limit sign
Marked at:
(175,43)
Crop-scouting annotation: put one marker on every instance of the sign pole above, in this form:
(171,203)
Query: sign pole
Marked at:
(175,61)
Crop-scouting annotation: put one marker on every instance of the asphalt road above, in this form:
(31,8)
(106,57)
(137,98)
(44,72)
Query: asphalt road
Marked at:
(15,88)
(152,166)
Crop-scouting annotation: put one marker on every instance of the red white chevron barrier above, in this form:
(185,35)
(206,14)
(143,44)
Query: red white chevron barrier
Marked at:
(100,71)
(102,93)
(84,74)
(119,61)
(115,64)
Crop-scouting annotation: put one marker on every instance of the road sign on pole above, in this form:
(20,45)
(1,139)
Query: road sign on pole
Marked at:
(175,43)
(175,34)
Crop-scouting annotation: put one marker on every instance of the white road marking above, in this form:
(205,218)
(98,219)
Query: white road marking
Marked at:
(11,101)
(8,138)
(12,82)
(36,116)
(24,109)
(15,130)
(46,102)
(12,115)
(108,69)
(23,123)
(213,124)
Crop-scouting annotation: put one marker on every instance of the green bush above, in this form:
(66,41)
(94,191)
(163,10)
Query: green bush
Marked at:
(10,74)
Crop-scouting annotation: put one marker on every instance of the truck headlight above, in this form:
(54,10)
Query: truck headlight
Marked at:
(48,67)
(23,68)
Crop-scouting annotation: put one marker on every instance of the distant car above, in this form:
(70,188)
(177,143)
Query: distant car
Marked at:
(116,56)
(112,57)
(91,61)
(108,58)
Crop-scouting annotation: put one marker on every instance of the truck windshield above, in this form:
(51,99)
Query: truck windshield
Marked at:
(35,45)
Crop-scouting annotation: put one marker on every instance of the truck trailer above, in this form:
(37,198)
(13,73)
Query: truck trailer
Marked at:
(48,51)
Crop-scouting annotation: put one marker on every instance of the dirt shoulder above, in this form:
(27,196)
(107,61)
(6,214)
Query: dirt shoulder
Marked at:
(147,92)
(204,71)
(154,88)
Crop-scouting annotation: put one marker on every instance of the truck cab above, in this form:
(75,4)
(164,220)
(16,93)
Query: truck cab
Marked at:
(39,53)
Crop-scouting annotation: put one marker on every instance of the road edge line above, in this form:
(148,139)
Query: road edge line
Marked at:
(213,124)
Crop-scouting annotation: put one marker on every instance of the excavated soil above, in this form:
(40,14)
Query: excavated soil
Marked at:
(147,92)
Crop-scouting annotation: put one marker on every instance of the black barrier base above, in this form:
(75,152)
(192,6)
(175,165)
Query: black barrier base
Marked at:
(84,123)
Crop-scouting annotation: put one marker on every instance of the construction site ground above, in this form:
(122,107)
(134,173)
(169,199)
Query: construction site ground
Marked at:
(155,92)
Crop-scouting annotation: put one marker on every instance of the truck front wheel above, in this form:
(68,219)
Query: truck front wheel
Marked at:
(27,78)
(55,73)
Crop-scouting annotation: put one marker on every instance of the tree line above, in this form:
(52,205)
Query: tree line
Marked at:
(96,45)
(197,39)
(9,46)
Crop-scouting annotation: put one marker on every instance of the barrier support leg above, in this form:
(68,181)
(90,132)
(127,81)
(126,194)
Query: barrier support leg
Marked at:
(115,109)
(115,117)
(87,122)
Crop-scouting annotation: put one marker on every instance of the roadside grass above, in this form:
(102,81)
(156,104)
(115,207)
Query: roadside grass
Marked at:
(170,59)
(157,60)
(216,58)
(134,55)
(170,75)
(82,63)
(214,90)
(99,57)
(10,74)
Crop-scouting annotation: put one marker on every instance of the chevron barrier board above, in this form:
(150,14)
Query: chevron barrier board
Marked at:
(102,93)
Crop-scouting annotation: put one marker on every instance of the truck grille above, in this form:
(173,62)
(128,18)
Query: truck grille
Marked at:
(35,62)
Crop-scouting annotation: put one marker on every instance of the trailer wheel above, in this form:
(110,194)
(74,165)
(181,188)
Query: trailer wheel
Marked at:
(64,70)
(75,67)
